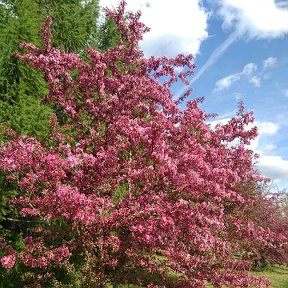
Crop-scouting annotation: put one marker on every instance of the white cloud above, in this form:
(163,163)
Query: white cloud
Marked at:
(267,128)
(226,82)
(269,147)
(249,69)
(249,72)
(176,27)
(271,166)
(256,81)
(257,19)
(274,167)
(269,62)
(264,129)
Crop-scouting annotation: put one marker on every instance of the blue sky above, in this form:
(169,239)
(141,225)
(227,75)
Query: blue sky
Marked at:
(240,49)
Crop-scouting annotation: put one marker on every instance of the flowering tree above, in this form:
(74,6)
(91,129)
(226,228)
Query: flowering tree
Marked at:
(131,188)
(265,212)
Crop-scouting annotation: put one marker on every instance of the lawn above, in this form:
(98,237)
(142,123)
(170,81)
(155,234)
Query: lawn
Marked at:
(277,275)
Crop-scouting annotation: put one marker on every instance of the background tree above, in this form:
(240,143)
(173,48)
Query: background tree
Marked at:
(108,35)
(266,211)
(21,88)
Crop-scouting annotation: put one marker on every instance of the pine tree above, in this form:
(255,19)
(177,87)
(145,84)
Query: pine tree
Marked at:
(74,23)
(108,35)
(21,88)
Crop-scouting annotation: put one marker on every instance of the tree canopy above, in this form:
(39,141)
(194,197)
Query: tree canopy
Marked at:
(22,88)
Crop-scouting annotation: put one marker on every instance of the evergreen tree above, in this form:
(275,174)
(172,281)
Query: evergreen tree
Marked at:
(74,23)
(108,35)
(21,88)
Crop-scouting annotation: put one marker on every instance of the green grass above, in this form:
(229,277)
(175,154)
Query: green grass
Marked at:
(277,275)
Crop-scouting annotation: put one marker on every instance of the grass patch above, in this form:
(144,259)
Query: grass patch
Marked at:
(277,275)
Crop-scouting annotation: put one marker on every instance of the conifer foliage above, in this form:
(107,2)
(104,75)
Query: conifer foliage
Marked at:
(21,87)
(132,189)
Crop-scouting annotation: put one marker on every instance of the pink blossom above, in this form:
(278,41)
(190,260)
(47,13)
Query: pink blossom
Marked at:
(8,261)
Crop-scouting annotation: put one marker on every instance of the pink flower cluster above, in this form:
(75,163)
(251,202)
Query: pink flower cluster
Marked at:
(9,260)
